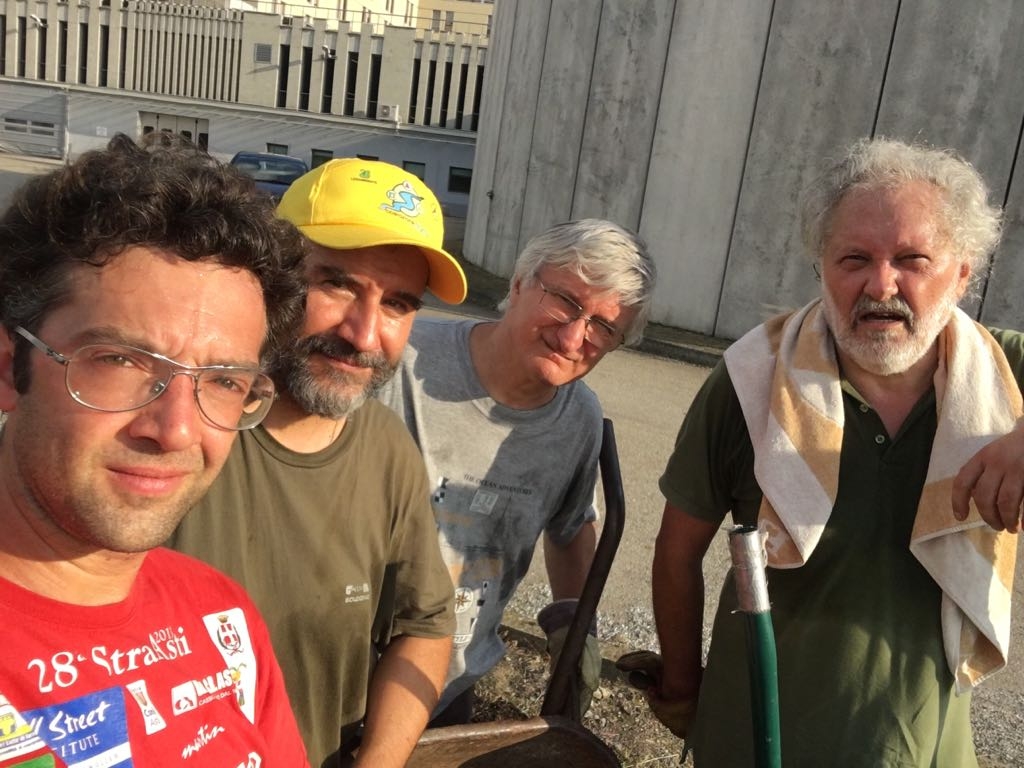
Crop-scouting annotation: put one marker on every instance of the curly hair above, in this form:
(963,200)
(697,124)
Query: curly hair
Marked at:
(163,193)
(972,224)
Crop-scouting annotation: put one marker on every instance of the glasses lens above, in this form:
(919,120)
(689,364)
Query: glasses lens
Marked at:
(559,307)
(111,377)
(600,334)
(235,398)
(565,310)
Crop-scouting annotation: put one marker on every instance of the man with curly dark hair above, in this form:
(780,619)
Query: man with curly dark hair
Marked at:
(141,289)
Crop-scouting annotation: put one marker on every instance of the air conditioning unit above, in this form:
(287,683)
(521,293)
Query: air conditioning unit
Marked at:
(388,112)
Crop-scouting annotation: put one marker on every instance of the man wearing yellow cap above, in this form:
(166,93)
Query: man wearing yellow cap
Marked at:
(323,512)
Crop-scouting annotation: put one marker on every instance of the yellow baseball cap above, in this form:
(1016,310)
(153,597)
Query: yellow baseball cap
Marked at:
(352,203)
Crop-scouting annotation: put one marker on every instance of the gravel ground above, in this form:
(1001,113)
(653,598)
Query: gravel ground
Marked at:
(620,717)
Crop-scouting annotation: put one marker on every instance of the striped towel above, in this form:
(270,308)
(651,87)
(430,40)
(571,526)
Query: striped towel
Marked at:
(787,379)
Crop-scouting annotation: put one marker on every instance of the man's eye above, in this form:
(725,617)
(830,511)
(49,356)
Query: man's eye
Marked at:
(336,284)
(568,304)
(398,307)
(115,358)
(233,384)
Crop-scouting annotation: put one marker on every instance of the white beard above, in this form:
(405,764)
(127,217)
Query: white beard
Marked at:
(889,352)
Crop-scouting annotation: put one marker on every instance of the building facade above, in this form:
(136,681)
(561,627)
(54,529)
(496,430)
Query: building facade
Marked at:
(698,123)
(73,73)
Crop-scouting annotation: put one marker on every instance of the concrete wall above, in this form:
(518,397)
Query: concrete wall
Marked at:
(698,123)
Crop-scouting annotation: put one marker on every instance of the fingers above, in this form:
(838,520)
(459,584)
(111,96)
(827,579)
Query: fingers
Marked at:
(676,715)
(1008,504)
(997,492)
(963,485)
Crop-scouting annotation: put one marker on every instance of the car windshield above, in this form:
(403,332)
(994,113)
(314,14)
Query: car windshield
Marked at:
(281,170)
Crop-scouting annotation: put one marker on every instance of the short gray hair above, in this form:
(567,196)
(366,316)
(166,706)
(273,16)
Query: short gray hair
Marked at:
(604,255)
(971,223)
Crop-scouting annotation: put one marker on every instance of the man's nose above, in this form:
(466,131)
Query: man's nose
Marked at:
(883,282)
(573,333)
(360,326)
(173,420)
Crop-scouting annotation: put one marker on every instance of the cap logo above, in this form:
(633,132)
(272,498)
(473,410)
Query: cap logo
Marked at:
(403,200)
(364,174)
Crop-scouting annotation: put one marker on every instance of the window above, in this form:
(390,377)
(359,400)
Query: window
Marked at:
(277,149)
(435,21)
(459,179)
(449,20)
(83,53)
(305,75)
(282,75)
(368,157)
(419,170)
(320,156)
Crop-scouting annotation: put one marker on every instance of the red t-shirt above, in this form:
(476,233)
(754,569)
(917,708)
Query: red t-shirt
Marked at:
(181,672)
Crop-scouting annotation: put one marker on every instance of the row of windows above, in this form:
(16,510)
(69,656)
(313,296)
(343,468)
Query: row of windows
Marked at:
(459,179)
(465,81)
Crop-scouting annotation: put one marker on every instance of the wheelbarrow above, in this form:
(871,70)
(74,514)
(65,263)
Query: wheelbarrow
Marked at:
(554,738)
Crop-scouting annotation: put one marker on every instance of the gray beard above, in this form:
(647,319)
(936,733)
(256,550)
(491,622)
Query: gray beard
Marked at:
(330,394)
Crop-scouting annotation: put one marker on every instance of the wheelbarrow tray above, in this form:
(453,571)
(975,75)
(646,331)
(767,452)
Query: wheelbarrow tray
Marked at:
(539,742)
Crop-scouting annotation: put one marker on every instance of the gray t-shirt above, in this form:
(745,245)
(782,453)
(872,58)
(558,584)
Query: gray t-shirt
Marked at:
(499,478)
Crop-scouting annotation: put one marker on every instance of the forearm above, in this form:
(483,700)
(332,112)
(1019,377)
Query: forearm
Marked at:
(568,566)
(404,690)
(678,598)
(677,583)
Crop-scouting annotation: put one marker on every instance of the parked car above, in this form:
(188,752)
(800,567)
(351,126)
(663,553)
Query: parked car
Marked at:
(273,173)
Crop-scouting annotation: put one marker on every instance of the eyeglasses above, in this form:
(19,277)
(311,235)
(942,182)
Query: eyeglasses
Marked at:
(117,377)
(560,307)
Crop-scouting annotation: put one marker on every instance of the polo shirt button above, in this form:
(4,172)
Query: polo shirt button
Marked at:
(879,439)
(864,408)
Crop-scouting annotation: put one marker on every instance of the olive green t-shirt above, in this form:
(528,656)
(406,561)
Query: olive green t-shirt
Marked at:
(310,537)
(863,679)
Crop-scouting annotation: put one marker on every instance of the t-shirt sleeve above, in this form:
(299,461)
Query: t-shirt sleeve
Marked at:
(711,469)
(1012,343)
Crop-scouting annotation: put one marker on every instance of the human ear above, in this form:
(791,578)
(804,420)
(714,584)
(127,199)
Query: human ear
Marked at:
(8,393)
(963,279)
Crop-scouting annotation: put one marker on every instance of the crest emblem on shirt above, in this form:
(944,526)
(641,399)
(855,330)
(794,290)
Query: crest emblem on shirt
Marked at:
(227,636)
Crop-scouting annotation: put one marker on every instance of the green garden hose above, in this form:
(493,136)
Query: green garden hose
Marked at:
(748,563)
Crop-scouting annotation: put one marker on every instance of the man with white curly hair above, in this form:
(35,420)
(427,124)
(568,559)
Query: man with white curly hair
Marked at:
(873,436)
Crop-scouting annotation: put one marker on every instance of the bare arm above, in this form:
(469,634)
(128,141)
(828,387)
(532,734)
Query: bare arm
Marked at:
(403,693)
(677,582)
(994,478)
(568,566)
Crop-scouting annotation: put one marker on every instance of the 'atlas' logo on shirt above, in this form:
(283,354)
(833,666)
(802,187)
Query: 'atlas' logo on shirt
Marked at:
(196,693)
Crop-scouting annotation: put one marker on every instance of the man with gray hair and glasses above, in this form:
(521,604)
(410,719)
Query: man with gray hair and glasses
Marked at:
(140,290)
(874,437)
(511,435)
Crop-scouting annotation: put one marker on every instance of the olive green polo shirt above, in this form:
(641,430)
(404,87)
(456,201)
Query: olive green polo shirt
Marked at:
(863,679)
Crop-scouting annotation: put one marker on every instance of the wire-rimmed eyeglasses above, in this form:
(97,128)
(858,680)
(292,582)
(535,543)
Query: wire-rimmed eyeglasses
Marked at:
(118,377)
(600,333)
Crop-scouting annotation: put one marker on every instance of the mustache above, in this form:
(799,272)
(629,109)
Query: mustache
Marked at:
(336,347)
(897,305)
